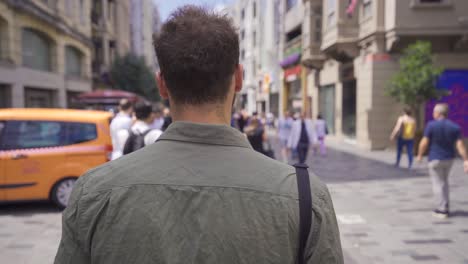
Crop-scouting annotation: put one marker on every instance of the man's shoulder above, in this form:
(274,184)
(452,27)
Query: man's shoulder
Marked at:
(453,125)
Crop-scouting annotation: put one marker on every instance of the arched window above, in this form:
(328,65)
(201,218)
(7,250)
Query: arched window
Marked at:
(37,50)
(74,61)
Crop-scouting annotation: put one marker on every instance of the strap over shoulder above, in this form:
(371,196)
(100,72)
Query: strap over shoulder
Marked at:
(305,209)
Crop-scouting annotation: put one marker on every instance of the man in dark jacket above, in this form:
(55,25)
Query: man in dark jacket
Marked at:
(200,194)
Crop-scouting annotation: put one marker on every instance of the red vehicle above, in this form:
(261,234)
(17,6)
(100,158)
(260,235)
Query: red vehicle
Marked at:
(104,99)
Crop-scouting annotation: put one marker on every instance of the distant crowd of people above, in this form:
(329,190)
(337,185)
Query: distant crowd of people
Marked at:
(297,133)
(136,126)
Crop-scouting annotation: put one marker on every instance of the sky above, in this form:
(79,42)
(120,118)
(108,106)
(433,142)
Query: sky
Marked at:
(167,6)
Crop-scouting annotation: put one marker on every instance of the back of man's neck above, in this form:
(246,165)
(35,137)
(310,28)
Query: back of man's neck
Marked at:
(204,118)
(214,115)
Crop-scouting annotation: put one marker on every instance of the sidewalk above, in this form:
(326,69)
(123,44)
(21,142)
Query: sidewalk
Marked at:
(390,221)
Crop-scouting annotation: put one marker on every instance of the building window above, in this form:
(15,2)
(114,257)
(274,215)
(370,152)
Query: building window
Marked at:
(431,3)
(254,68)
(254,9)
(50,3)
(242,13)
(69,8)
(242,34)
(242,54)
(318,24)
(110,10)
(331,12)
(366,8)
(82,12)
(3,39)
(39,98)
(74,62)
(5,96)
(254,40)
(37,50)
(290,4)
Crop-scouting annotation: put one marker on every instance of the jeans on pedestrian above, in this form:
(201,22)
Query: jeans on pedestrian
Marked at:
(439,171)
(323,149)
(409,144)
(302,150)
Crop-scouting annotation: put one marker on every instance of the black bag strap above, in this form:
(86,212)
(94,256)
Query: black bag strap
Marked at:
(305,209)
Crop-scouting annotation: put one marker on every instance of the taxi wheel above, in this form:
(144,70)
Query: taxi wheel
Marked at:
(61,192)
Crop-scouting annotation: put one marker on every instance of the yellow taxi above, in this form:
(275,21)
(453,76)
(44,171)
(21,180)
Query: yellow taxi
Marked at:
(44,151)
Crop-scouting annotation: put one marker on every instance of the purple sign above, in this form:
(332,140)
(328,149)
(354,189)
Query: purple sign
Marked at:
(456,81)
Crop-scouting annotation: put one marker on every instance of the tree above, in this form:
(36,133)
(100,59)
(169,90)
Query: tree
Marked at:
(416,81)
(131,73)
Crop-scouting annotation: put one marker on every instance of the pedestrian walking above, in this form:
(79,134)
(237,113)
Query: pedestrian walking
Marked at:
(122,121)
(321,131)
(256,135)
(242,121)
(405,131)
(158,118)
(167,118)
(284,131)
(140,134)
(200,194)
(443,137)
(302,137)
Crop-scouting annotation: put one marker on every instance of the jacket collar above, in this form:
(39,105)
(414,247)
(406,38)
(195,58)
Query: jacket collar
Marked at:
(205,134)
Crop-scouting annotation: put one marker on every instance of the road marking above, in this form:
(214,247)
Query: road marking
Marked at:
(351,219)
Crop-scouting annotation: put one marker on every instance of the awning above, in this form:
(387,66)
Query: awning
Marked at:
(107,97)
(291,60)
(292,74)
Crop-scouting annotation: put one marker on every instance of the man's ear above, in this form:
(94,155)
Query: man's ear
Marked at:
(162,86)
(239,78)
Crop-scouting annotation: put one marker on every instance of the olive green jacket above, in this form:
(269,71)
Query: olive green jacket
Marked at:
(200,194)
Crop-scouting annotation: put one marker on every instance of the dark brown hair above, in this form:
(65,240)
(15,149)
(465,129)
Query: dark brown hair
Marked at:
(125,104)
(407,111)
(198,52)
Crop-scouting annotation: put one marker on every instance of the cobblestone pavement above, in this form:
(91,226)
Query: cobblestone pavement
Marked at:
(29,233)
(383,213)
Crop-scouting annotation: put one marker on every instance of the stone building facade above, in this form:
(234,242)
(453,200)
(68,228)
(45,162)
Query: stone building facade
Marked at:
(45,52)
(347,66)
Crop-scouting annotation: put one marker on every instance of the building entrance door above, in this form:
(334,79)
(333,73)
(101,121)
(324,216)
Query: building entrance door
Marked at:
(349,108)
(327,106)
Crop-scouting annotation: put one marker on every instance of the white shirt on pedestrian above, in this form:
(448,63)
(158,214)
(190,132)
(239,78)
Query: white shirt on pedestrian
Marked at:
(284,128)
(320,128)
(295,135)
(158,123)
(140,127)
(120,122)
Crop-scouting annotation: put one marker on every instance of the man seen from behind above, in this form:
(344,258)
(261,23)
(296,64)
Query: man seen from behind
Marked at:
(121,121)
(444,138)
(200,194)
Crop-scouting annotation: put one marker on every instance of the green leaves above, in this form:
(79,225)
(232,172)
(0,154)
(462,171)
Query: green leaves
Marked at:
(415,83)
(130,73)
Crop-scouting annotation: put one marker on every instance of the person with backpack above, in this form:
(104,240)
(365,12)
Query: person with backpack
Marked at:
(140,134)
(405,130)
(121,121)
(201,194)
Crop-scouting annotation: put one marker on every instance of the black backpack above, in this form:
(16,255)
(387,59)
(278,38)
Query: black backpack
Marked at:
(135,141)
